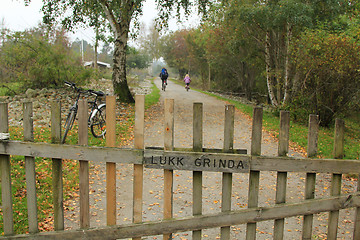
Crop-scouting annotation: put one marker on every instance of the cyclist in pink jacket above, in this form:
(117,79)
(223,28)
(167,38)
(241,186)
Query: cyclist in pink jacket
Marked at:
(187,81)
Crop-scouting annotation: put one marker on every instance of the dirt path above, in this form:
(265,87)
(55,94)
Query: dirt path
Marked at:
(212,138)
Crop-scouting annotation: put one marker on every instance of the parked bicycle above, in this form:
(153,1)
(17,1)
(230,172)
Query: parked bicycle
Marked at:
(97,117)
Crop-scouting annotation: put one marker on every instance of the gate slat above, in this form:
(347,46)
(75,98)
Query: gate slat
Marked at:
(254,176)
(138,168)
(237,217)
(357,215)
(6,193)
(281,183)
(30,169)
(84,166)
(57,173)
(168,174)
(197,175)
(336,178)
(227,177)
(313,132)
(110,167)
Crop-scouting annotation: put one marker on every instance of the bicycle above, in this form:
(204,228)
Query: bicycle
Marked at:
(163,84)
(97,117)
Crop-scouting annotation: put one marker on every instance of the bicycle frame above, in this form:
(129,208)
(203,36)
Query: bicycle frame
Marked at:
(95,108)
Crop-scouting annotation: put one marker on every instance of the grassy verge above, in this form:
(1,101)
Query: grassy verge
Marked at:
(299,132)
(124,132)
(153,98)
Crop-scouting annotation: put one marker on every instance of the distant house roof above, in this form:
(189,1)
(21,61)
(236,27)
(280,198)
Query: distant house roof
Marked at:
(100,64)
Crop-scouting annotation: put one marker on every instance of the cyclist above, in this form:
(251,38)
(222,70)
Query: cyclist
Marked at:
(187,81)
(164,76)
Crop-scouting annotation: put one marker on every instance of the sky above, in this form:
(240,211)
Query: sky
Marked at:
(15,16)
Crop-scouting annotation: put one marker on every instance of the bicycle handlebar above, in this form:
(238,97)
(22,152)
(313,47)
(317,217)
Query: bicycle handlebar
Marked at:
(80,90)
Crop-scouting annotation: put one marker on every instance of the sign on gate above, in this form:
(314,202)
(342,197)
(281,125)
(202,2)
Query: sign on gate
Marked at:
(195,161)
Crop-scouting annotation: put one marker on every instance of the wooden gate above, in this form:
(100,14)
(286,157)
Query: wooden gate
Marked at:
(198,160)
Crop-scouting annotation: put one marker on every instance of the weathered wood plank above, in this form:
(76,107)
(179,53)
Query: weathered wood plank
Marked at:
(357,216)
(131,156)
(281,180)
(6,193)
(197,175)
(168,174)
(84,167)
(336,178)
(286,210)
(138,168)
(254,175)
(30,169)
(57,180)
(289,164)
(84,153)
(110,167)
(313,131)
(196,161)
(227,177)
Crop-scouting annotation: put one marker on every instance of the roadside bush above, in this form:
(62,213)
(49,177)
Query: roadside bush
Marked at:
(328,64)
(37,59)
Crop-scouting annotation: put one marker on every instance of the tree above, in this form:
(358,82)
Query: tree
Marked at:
(328,64)
(175,51)
(136,59)
(39,59)
(119,15)
(150,41)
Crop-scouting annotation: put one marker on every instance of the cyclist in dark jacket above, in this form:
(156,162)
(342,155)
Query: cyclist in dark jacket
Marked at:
(164,75)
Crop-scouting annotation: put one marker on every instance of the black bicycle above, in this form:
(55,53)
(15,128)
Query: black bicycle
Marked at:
(163,84)
(97,117)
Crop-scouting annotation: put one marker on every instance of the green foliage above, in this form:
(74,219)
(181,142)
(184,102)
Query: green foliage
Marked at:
(299,132)
(38,59)
(136,59)
(175,51)
(328,64)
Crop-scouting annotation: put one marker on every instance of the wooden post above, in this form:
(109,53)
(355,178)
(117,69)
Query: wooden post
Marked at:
(6,193)
(310,177)
(254,176)
(197,175)
(336,178)
(57,180)
(110,167)
(227,177)
(138,168)
(357,216)
(281,183)
(30,169)
(84,166)
(168,174)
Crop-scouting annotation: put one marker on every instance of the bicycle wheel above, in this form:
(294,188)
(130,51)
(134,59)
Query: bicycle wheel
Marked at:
(70,119)
(163,85)
(98,122)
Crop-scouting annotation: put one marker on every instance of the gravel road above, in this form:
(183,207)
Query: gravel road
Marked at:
(212,138)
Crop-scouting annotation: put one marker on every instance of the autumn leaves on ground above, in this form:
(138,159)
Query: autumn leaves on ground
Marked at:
(153,179)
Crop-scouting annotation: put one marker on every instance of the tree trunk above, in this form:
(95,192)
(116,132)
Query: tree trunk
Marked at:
(96,48)
(287,65)
(121,88)
(269,77)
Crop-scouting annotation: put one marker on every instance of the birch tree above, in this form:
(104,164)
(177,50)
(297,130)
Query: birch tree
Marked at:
(119,15)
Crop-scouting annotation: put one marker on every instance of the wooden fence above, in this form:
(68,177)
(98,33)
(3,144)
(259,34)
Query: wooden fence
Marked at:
(198,159)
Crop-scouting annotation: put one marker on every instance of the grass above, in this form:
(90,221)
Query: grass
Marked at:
(153,98)
(125,122)
(9,88)
(299,132)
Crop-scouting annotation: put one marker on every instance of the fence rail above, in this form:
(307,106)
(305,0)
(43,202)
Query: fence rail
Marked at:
(198,160)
